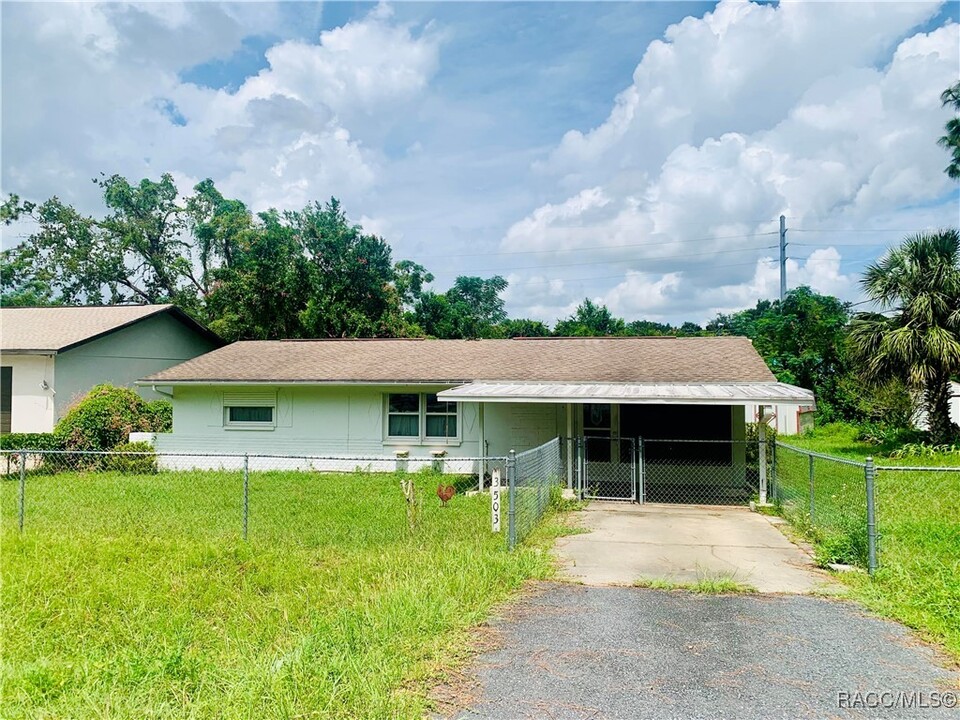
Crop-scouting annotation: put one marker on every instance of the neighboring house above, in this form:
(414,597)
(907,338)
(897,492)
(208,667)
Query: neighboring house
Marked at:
(467,398)
(920,416)
(51,356)
(788,419)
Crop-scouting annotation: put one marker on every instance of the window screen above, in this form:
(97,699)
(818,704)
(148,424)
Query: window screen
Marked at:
(6,397)
(403,415)
(441,418)
(250,414)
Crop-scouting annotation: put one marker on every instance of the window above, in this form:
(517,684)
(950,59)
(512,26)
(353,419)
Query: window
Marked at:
(250,410)
(597,425)
(6,397)
(403,415)
(250,414)
(421,417)
(441,418)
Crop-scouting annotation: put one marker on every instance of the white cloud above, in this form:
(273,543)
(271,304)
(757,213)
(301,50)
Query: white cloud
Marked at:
(735,118)
(307,126)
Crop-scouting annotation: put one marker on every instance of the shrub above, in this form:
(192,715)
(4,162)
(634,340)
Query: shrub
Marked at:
(132,464)
(102,419)
(926,450)
(29,441)
(159,415)
(888,435)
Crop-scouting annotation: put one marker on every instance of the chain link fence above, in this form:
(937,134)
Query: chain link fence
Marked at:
(918,526)
(261,497)
(703,472)
(532,475)
(904,518)
(825,498)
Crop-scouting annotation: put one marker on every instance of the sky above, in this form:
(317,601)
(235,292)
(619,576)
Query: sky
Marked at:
(638,154)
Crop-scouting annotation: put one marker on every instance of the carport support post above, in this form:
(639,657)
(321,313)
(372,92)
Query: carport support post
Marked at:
(246,494)
(512,498)
(569,444)
(762,441)
(869,471)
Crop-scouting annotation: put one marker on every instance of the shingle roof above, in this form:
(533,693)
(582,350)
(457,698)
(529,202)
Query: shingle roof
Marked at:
(54,329)
(713,359)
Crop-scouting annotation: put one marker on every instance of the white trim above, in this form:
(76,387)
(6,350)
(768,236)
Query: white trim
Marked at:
(251,398)
(632,393)
(422,439)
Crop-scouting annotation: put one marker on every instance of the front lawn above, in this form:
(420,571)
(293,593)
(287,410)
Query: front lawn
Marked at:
(136,596)
(918,523)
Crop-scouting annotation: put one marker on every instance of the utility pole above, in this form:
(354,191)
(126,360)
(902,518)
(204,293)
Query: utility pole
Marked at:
(783,258)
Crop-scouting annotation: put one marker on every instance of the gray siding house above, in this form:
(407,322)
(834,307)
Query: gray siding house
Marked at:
(51,356)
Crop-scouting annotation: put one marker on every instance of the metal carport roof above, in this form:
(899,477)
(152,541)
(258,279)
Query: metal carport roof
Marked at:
(765,393)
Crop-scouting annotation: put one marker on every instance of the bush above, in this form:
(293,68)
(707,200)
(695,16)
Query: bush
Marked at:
(888,435)
(926,450)
(132,464)
(103,419)
(29,441)
(160,416)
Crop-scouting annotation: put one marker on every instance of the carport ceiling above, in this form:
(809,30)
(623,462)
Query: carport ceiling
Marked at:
(763,393)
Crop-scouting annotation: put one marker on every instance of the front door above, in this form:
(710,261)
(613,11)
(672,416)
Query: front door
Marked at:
(609,461)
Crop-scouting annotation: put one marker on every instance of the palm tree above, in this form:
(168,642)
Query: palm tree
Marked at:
(919,341)
(951,141)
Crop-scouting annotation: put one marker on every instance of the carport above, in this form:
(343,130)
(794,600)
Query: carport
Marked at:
(651,442)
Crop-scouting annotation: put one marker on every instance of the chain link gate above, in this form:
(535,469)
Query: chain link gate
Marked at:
(609,468)
(696,472)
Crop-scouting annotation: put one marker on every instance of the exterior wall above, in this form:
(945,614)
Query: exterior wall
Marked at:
(788,421)
(32,407)
(330,421)
(521,426)
(346,422)
(920,416)
(125,356)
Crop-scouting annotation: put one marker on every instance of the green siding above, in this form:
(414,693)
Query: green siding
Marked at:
(125,356)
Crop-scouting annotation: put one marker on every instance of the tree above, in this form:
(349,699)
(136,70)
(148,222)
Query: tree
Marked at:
(649,328)
(522,327)
(951,140)
(472,308)
(138,252)
(306,273)
(590,319)
(802,341)
(919,283)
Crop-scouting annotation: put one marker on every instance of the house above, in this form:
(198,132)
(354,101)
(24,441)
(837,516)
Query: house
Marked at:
(50,356)
(920,415)
(787,419)
(470,398)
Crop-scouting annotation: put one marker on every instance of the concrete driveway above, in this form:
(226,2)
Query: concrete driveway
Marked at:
(685,543)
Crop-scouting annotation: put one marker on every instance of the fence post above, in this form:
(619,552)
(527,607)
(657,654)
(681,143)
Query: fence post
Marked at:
(641,473)
(246,494)
(812,494)
(512,498)
(869,472)
(22,500)
(762,441)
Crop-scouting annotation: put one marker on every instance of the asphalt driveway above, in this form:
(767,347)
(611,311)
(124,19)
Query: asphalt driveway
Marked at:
(684,543)
(573,651)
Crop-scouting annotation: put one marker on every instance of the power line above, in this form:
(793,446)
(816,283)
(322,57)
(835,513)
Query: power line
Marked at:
(595,247)
(622,275)
(609,262)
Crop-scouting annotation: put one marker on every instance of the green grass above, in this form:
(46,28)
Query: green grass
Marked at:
(705,585)
(136,597)
(918,521)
